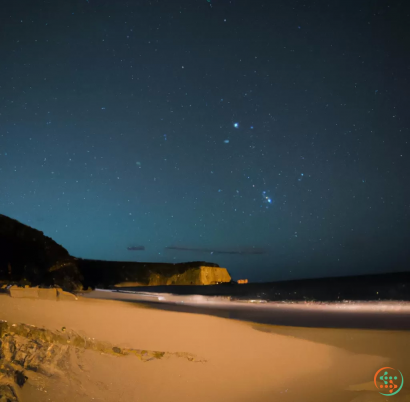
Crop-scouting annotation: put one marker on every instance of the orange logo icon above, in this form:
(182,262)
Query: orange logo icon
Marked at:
(388,381)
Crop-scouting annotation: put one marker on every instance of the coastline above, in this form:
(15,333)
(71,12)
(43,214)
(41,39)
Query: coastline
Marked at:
(240,361)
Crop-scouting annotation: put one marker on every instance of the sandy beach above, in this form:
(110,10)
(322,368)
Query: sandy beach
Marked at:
(207,358)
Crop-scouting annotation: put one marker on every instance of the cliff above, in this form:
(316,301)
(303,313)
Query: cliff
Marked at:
(28,257)
(106,274)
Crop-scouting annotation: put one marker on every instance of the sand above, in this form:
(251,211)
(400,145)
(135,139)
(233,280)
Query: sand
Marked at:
(239,361)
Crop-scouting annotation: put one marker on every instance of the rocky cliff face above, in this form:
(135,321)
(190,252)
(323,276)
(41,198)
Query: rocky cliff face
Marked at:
(28,257)
(107,274)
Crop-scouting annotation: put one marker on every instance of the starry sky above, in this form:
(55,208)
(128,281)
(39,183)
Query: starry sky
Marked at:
(224,125)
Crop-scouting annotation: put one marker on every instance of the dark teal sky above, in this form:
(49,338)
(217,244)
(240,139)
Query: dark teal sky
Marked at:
(280,125)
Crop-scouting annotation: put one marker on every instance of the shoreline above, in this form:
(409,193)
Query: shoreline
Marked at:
(366,315)
(240,361)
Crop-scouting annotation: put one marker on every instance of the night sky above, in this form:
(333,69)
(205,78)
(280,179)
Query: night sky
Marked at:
(225,125)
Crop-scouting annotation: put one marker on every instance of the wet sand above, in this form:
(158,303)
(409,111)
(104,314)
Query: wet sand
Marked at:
(240,361)
(385,314)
